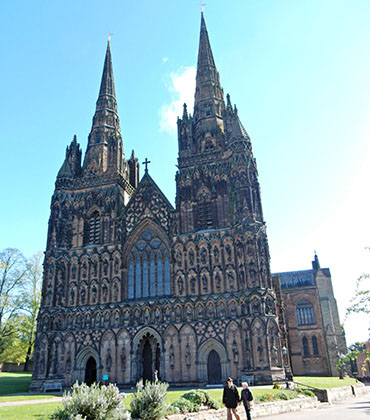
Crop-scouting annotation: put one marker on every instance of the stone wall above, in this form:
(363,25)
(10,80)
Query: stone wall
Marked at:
(14,367)
(259,410)
(337,394)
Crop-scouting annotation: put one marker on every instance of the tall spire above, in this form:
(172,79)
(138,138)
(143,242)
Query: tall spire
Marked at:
(209,100)
(105,148)
(107,81)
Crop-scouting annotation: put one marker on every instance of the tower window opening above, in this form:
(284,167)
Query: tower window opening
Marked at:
(92,229)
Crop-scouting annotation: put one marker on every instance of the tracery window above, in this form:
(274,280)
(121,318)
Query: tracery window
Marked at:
(305,313)
(92,229)
(306,352)
(149,267)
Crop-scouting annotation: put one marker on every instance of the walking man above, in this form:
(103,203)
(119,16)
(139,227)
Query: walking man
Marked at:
(231,399)
(247,398)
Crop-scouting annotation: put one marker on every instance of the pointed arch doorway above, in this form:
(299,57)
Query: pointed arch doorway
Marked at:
(90,371)
(214,368)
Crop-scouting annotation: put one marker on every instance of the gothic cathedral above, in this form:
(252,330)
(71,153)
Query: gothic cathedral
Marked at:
(132,284)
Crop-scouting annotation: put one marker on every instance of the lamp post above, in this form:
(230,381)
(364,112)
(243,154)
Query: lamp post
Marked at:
(287,372)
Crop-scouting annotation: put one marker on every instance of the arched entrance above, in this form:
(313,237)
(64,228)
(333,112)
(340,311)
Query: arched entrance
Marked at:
(147,362)
(90,371)
(148,355)
(214,368)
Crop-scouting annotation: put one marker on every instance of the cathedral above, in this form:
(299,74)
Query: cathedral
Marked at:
(132,284)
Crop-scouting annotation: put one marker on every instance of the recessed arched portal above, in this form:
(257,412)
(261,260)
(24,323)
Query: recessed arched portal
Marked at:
(214,368)
(90,371)
(147,361)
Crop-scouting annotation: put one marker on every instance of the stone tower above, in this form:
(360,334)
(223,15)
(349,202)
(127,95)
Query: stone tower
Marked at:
(132,284)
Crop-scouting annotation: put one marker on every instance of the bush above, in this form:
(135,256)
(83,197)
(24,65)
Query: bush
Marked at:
(276,386)
(265,397)
(201,397)
(149,401)
(281,396)
(184,406)
(92,403)
(308,393)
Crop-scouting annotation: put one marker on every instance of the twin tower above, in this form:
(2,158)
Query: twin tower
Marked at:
(133,285)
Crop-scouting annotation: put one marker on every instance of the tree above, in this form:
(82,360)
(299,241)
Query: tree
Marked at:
(31,302)
(13,271)
(361,300)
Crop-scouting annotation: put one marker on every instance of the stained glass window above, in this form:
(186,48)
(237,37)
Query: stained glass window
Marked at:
(149,267)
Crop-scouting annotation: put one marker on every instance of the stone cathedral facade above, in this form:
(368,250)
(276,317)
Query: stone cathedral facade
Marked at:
(132,284)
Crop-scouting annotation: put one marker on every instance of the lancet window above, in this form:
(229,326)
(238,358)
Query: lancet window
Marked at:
(149,267)
(92,229)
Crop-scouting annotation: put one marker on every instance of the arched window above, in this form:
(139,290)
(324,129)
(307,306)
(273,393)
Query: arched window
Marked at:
(315,348)
(305,313)
(92,229)
(306,353)
(149,267)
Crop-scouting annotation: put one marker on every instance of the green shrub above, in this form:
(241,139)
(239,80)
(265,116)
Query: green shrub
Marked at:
(265,397)
(308,393)
(201,397)
(149,401)
(184,406)
(93,402)
(276,386)
(281,396)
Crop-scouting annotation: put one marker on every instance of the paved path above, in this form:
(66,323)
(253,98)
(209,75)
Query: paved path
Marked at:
(353,409)
(26,402)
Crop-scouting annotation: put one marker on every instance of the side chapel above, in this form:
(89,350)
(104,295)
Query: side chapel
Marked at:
(132,284)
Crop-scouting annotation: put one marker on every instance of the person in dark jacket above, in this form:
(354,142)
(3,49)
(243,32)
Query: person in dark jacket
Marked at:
(247,398)
(231,399)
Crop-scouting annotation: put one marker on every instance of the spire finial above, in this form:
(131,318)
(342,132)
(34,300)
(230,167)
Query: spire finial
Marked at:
(109,35)
(202,6)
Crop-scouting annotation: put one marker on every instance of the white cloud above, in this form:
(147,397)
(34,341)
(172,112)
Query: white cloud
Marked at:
(181,87)
(164,59)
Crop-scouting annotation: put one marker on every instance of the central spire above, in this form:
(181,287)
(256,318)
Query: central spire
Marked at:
(209,100)
(105,149)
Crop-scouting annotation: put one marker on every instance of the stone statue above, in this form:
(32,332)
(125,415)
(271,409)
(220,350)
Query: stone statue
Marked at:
(191,256)
(108,360)
(187,355)
(203,256)
(216,254)
(72,296)
(180,284)
(123,359)
(192,284)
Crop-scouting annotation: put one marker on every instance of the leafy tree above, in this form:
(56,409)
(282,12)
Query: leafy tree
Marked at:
(31,302)
(13,271)
(360,303)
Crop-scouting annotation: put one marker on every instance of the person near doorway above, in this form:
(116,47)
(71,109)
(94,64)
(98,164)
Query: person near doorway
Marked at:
(231,399)
(247,398)
(155,376)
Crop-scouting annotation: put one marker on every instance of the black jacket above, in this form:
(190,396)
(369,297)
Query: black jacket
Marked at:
(231,396)
(247,397)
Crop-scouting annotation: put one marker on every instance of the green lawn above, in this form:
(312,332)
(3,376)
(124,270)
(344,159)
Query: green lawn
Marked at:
(27,412)
(324,382)
(13,383)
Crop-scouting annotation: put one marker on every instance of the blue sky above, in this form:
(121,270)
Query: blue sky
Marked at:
(298,71)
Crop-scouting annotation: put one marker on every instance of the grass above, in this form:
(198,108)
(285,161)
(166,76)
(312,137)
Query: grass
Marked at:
(13,383)
(27,412)
(324,382)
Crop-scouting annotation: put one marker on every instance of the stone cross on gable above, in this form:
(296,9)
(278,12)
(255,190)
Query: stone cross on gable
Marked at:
(146,161)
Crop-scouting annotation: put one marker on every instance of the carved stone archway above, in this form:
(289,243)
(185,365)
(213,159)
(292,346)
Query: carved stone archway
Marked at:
(147,355)
(82,359)
(204,351)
